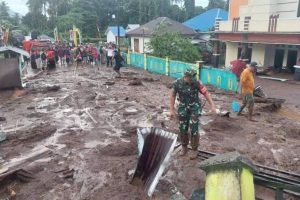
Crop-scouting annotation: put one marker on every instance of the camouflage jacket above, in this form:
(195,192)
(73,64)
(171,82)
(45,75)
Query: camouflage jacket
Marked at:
(188,94)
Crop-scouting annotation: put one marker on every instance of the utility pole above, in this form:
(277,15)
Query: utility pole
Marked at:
(118,24)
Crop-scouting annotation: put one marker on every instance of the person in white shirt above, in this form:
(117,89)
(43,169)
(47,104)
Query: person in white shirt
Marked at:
(110,54)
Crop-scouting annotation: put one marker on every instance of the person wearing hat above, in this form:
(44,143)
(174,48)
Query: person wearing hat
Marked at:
(188,89)
(247,89)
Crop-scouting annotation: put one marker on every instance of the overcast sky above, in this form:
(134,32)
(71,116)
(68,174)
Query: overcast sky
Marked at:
(19,6)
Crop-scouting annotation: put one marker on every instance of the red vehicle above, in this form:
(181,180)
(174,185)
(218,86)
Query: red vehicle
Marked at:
(36,45)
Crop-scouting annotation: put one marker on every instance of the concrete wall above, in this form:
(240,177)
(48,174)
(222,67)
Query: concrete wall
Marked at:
(258,53)
(231,52)
(234,8)
(260,11)
(110,37)
(269,55)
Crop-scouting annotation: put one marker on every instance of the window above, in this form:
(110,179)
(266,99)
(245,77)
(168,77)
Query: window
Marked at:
(246,23)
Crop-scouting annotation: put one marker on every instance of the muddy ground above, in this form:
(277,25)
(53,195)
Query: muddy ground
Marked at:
(81,136)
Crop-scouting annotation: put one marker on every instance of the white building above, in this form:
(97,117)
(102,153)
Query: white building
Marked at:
(112,34)
(141,36)
(265,31)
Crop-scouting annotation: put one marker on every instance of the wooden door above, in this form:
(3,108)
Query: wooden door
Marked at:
(136,45)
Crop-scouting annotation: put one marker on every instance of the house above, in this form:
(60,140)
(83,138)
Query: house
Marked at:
(267,32)
(131,27)
(206,21)
(11,66)
(112,33)
(142,35)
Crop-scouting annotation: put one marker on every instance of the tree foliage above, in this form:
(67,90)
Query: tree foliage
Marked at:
(88,15)
(173,45)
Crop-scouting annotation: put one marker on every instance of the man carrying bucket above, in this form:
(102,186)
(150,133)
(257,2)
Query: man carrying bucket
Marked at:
(188,89)
(247,89)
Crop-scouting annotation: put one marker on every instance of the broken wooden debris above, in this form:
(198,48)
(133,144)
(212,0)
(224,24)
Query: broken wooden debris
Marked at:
(272,104)
(273,78)
(89,114)
(155,146)
(2,136)
(135,83)
(258,92)
(109,83)
(66,172)
(21,174)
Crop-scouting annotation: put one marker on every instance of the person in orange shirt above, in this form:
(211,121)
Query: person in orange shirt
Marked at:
(247,89)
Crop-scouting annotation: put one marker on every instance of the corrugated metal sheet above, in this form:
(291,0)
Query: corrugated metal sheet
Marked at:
(14,49)
(155,148)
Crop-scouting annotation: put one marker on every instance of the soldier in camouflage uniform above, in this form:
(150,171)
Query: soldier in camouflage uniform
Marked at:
(189,109)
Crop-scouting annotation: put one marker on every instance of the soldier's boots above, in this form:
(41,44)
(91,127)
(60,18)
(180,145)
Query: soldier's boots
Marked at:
(183,151)
(184,142)
(194,144)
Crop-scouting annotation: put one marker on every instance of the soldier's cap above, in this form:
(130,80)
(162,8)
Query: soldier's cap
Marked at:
(190,73)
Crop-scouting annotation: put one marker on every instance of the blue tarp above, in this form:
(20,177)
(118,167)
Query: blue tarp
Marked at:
(114,30)
(206,21)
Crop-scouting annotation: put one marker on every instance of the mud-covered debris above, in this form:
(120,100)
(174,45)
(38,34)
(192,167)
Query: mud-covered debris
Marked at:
(2,119)
(21,174)
(135,83)
(109,83)
(45,89)
(148,79)
(35,134)
(169,85)
(53,88)
(91,97)
(30,108)
(2,136)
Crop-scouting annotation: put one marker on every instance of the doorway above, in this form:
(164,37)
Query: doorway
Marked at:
(136,45)
(278,61)
(292,60)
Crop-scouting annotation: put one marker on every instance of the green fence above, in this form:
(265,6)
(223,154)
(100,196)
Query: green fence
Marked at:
(219,78)
(178,68)
(156,65)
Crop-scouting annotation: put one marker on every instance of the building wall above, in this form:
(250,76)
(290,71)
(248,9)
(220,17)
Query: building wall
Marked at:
(264,55)
(231,52)
(260,12)
(258,53)
(142,44)
(262,9)
(234,8)
(110,37)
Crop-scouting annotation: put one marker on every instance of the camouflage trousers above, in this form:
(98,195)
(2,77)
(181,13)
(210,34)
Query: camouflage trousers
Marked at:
(189,118)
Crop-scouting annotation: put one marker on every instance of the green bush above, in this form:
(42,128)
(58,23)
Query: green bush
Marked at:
(174,46)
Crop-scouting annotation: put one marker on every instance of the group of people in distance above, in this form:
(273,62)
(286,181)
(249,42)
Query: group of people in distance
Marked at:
(83,55)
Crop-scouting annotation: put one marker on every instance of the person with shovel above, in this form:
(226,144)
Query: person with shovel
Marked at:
(247,89)
(188,89)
